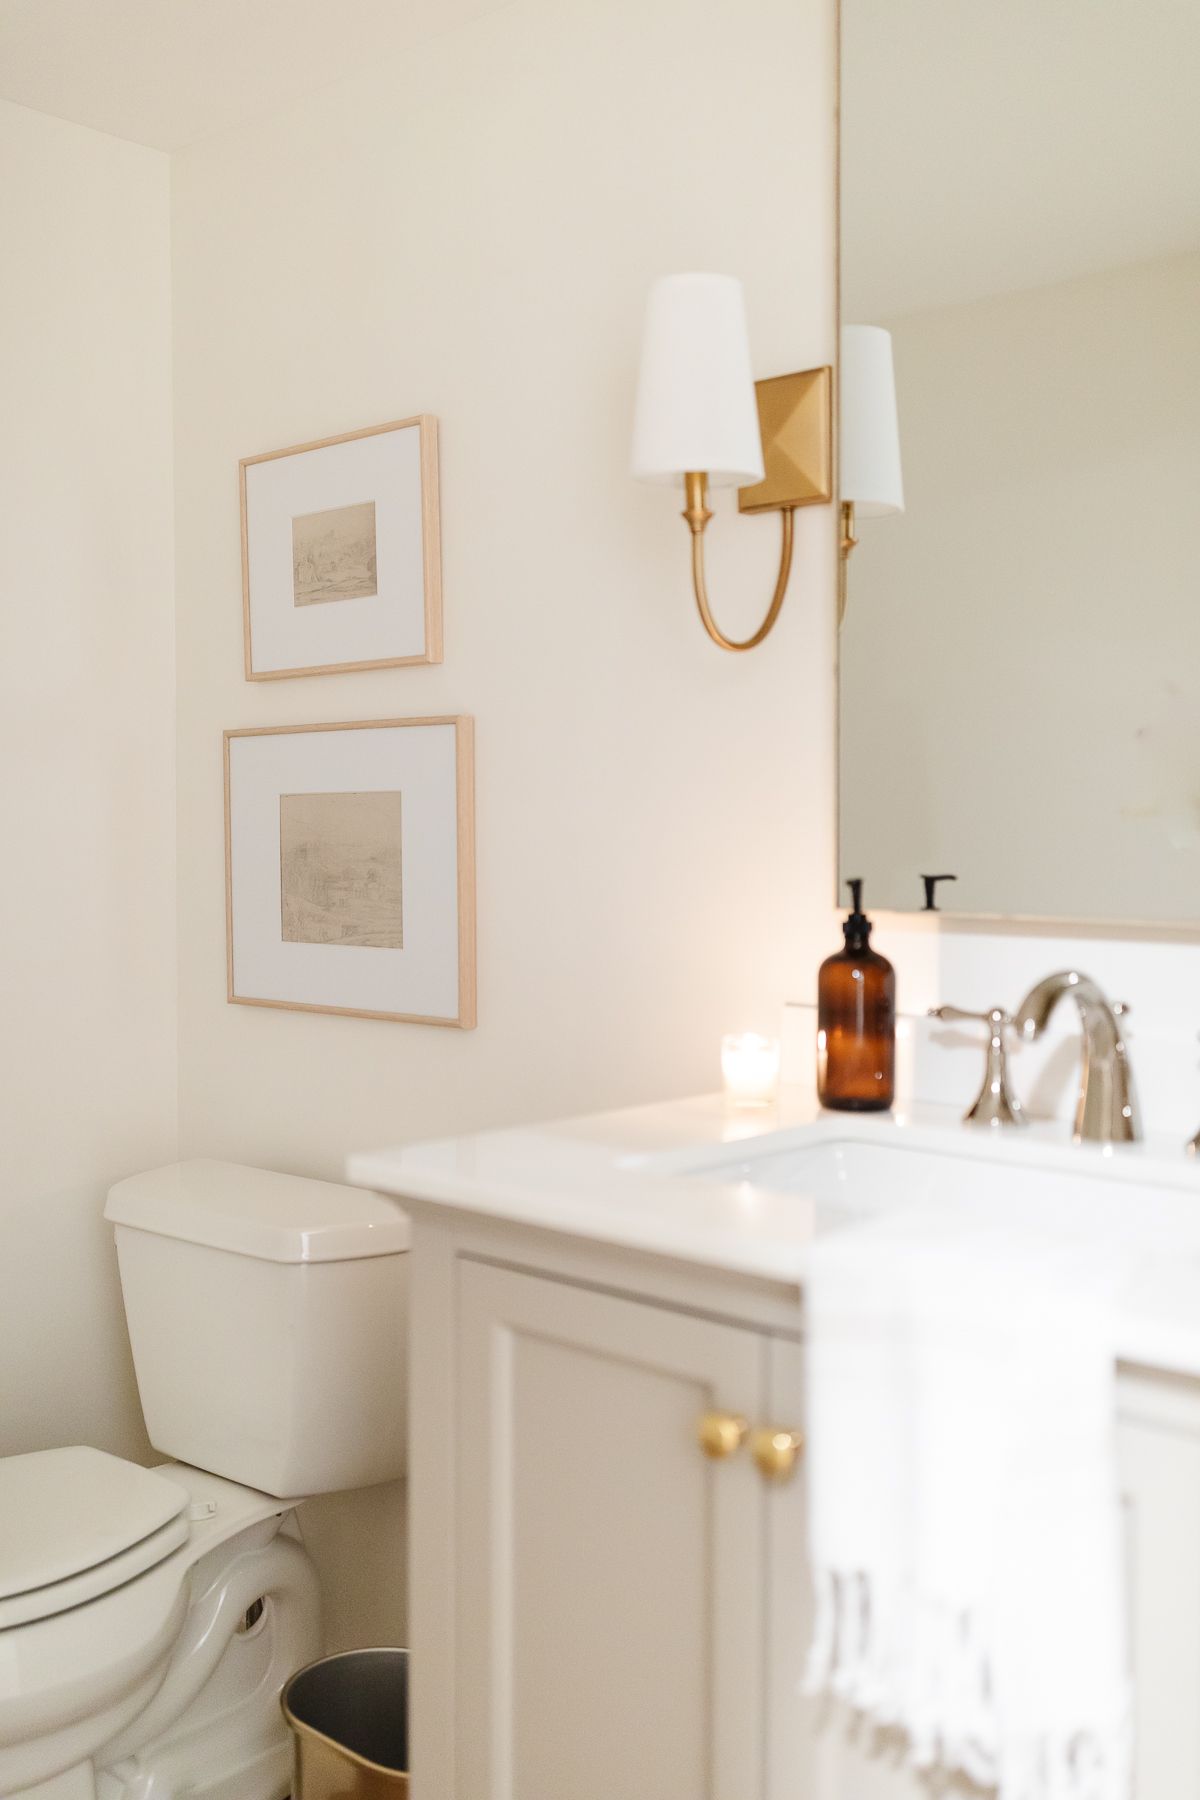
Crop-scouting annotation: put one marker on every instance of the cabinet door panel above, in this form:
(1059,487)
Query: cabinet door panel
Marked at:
(1161,1488)
(609,1577)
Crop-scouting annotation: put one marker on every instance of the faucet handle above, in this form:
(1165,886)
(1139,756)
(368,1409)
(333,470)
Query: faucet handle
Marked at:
(957,1012)
(995,1104)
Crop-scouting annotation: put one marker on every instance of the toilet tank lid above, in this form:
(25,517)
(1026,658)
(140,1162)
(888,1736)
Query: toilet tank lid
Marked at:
(259,1212)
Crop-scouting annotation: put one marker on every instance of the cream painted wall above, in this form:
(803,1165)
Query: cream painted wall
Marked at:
(472,232)
(87,809)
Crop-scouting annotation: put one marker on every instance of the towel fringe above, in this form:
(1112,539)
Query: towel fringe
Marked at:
(913,1663)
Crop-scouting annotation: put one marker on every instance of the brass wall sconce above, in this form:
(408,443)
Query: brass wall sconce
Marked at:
(702,419)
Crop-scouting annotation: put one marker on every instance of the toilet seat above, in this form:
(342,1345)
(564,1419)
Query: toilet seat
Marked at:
(77,1681)
(75,1524)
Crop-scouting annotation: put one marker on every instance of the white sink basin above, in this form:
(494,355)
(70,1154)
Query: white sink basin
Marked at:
(834,1179)
(863,1179)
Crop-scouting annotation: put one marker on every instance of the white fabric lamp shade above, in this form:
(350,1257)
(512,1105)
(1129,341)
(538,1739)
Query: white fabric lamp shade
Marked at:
(696,407)
(870,432)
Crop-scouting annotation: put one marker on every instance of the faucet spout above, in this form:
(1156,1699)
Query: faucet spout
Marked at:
(1107,1109)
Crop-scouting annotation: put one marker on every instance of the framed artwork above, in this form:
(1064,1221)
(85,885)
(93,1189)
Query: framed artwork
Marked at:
(350,869)
(341,553)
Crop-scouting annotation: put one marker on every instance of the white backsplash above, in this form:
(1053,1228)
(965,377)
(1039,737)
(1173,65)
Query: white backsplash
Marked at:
(1159,980)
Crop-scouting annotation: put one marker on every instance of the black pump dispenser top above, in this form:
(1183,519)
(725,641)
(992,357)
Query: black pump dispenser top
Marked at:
(857,929)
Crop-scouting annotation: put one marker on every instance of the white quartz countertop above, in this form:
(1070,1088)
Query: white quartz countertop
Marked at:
(677,1180)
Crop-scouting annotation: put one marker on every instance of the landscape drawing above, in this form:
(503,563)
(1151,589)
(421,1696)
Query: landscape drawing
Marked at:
(341,869)
(333,555)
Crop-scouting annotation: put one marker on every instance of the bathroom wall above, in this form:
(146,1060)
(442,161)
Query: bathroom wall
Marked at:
(87,806)
(471,232)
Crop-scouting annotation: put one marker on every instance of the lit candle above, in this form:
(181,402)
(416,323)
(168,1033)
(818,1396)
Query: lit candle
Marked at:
(750,1067)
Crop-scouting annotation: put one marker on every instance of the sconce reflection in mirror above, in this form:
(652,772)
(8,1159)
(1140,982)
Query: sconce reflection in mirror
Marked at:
(869,454)
(702,419)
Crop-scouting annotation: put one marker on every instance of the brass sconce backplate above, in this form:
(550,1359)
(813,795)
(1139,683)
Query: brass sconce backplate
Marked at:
(795,413)
(795,416)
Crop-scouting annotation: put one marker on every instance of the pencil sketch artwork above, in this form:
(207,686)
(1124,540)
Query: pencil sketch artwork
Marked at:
(333,555)
(341,869)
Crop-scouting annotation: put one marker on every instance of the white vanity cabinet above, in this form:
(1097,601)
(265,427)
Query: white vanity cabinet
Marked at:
(600,1611)
(601,1608)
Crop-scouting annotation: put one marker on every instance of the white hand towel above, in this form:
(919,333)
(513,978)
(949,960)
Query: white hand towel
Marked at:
(964,1514)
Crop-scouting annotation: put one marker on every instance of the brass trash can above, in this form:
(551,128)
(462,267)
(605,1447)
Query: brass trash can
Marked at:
(349,1717)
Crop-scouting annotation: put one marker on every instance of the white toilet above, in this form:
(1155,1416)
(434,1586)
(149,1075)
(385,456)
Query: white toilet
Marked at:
(149,1618)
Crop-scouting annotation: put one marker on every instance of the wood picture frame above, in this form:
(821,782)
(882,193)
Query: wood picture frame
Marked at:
(341,553)
(314,963)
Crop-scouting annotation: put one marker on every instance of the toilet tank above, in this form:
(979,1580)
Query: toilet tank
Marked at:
(268,1319)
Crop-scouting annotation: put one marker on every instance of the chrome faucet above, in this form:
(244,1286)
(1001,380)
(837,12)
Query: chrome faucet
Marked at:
(1107,1109)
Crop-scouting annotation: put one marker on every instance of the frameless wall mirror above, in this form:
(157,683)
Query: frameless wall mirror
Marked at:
(1020,652)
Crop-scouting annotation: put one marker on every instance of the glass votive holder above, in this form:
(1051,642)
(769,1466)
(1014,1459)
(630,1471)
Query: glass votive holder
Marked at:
(750,1068)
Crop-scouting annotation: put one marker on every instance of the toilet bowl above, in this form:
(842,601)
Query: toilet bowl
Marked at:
(149,1618)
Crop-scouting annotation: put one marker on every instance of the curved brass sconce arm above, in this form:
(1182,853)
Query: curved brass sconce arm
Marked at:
(697,514)
(848,543)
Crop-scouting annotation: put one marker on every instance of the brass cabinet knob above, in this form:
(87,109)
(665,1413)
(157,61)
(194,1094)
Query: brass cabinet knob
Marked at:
(776,1451)
(721,1434)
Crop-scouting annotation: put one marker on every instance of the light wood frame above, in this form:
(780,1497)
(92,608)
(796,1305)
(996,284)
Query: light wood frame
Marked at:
(464,744)
(431,541)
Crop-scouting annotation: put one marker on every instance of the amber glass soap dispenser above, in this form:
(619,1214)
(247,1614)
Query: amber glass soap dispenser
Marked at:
(856,1021)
